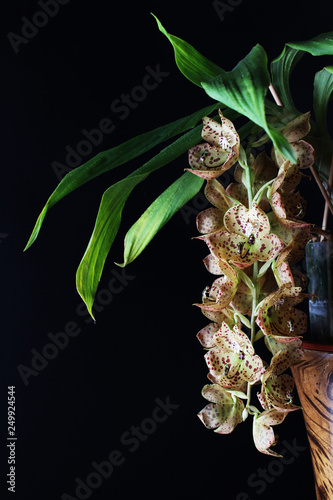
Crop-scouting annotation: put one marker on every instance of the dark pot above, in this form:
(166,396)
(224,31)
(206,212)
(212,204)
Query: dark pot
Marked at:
(314,375)
(319,262)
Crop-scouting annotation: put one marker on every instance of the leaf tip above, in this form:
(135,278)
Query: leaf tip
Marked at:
(28,245)
(89,309)
(159,24)
(120,265)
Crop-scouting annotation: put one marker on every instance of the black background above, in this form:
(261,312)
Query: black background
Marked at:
(75,410)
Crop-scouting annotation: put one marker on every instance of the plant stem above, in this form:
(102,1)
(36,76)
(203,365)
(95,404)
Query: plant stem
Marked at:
(248,183)
(250,188)
(329,189)
(253,318)
(254,300)
(275,95)
(322,189)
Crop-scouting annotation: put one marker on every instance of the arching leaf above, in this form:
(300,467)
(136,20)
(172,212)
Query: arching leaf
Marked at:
(322,94)
(190,62)
(158,214)
(109,215)
(282,67)
(244,89)
(114,157)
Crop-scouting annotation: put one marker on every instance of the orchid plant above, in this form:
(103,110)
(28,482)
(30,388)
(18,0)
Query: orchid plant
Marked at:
(247,247)
(254,228)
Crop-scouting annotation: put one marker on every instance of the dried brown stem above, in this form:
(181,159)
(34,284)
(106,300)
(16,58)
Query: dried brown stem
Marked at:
(323,233)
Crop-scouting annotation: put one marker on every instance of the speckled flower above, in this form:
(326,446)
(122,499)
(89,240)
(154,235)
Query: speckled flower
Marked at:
(277,315)
(263,434)
(245,239)
(233,360)
(206,335)
(227,315)
(294,132)
(285,202)
(292,253)
(211,219)
(281,343)
(294,234)
(220,151)
(224,411)
(223,289)
(277,387)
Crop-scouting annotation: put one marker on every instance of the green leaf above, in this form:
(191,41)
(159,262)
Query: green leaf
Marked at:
(322,94)
(158,214)
(320,45)
(281,69)
(190,62)
(114,157)
(107,223)
(281,143)
(109,215)
(283,66)
(244,89)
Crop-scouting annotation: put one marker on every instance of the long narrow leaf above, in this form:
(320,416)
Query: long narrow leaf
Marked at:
(281,70)
(190,62)
(322,94)
(283,66)
(107,224)
(158,214)
(244,89)
(320,45)
(109,214)
(114,157)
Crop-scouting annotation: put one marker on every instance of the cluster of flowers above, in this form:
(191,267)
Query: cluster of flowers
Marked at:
(253,248)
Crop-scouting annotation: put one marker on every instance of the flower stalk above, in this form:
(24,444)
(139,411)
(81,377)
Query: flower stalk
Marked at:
(254,236)
(254,228)
(329,190)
